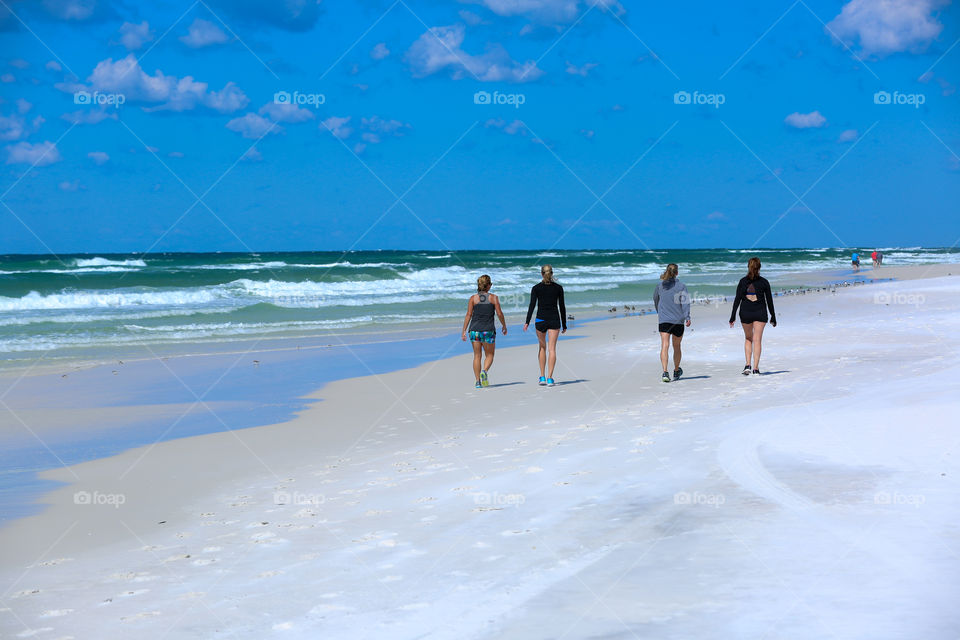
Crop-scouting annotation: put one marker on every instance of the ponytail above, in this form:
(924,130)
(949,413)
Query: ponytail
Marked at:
(670,272)
(753,268)
(547,272)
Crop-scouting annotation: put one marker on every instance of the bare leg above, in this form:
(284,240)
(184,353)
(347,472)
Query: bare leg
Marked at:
(476,360)
(664,350)
(677,353)
(488,350)
(542,354)
(757,342)
(747,342)
(552,335)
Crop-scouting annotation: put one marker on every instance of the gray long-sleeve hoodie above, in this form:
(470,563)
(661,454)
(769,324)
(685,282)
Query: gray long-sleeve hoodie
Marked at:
(672,301)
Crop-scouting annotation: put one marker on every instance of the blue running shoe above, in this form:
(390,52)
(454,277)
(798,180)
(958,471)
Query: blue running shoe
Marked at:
(542,382)
(478,385)
(550,382)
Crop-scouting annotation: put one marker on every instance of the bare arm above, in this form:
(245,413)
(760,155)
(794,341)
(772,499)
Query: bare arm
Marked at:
(466,319)
(496,307)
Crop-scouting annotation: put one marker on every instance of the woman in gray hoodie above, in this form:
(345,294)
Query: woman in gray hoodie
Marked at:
(672,302)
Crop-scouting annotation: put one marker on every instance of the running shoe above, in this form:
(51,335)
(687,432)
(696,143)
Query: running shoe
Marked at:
(550,382)
(478,385)
(746,370)
(542,382)
(677,373)
(665,377)
(484,380)
(756,372)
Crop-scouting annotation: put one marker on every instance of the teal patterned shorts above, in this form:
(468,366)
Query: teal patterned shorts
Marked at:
(488,337)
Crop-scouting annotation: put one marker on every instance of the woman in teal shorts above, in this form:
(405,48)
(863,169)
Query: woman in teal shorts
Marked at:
(482,330)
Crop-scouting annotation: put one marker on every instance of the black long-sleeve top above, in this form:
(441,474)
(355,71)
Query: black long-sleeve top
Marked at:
(548,300)
(759,288)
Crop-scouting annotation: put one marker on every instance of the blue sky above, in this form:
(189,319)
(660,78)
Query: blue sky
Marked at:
(791,144)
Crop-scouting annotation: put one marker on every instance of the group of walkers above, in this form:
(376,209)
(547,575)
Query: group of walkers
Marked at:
(670,299)
(876,257)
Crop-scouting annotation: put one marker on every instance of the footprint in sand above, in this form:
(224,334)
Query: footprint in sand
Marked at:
(140,616)
(56,613)
(269,574)
(391,579)
(52,563)
(211,549)
(32,632)
(202,562)
(263,537)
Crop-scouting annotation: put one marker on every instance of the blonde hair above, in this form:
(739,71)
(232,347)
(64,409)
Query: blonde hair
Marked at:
(547,272)
(484,283)
(753,267)
(670,272)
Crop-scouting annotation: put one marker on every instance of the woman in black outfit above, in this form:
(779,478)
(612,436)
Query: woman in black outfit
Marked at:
(754,297)
(547,297)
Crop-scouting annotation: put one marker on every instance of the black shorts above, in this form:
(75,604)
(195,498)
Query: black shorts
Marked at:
(672,329)
(543,325)
(749,316)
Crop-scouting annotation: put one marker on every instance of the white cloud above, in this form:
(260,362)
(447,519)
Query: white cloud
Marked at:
(175,154)
(510,128)
(19,63)
(8,78)
(470,17)
(99,157)
(848,136)
(380,51)
(70,186)
(812,120)
(286,112)
(337,126)
(15,126)
(252,155)
(169,93)
(549,10)
(379,125)
(716,215)
(134,36)
(203,33)
(580,71)
(588,133)
(439,49)
(53,65)
(89,117)
(39,154)
(253,126)
(883,27)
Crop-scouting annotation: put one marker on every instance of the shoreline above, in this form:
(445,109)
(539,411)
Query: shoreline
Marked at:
(169,411)
(410,473)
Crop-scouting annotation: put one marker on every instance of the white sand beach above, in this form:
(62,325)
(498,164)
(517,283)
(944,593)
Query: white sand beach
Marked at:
(819,500)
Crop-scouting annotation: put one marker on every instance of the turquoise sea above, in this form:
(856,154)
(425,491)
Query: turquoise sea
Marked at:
(81,303)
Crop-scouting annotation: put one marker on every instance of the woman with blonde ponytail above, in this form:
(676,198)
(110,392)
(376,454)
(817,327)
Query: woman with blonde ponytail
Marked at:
(547,298)
(672,302)
(482,330)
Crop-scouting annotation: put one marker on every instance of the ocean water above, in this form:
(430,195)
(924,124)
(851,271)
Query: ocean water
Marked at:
(78,303)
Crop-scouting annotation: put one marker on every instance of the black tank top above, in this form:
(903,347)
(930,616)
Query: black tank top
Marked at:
(483,311)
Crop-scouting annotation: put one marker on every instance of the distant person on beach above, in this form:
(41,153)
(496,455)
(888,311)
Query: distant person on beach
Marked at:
(672,302)
(482,330)
(753,298)
(547,298)
(855,261)
(873,256)
(879,258)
